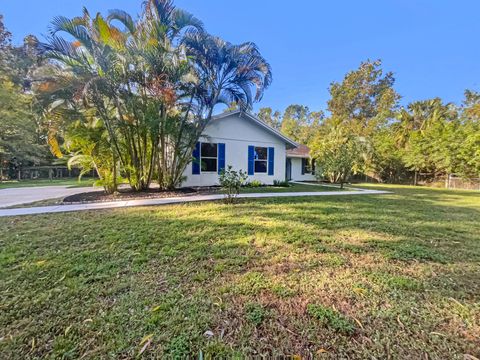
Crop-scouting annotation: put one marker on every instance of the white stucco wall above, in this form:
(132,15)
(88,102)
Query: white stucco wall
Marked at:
(297,171)
(237,134)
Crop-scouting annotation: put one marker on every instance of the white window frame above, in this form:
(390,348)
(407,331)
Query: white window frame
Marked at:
(208,157)
(255,160)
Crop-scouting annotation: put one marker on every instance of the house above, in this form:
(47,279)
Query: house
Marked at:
(246,143)
(300,167)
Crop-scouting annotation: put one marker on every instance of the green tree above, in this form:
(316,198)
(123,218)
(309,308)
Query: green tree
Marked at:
(300,124)
(153,82)
(20,138)
(426,134)
(270,117)
(468,144)
(337,153)
(88,143)
(364,100)
(387,159)
(129,76)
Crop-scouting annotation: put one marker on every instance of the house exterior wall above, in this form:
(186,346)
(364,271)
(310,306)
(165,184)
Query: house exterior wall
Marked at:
(297,171)
(237,134)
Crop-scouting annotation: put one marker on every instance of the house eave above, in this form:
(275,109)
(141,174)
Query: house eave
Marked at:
(298,156)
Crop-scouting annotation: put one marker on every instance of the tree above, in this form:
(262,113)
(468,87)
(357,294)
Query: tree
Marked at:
(300,124)
(153,83)
(468,146)
(387,160)
(224,73)
(87,143)
(424,133)
(337,152)
(20,138)
(365,99)
(270,117)
(128,76)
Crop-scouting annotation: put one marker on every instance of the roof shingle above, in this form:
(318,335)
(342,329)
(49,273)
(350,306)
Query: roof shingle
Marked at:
(300,151)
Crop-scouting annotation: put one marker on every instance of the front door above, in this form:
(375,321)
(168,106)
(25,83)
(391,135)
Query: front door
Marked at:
(288,170)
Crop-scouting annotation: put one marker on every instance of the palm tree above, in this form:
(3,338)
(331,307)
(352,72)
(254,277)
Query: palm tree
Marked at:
(153,82)
(419,118)
(221,73)
(227,73)
(128,75)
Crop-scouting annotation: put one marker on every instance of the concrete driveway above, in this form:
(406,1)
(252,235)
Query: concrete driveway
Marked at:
(18,196)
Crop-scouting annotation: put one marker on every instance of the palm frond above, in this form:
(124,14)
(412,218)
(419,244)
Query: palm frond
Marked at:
(123,17)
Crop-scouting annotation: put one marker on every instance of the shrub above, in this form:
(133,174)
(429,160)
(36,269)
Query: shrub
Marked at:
(231,182)
(331,318)
(255,184)
(280,183)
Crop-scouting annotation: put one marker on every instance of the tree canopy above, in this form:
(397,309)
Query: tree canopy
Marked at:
(129,98)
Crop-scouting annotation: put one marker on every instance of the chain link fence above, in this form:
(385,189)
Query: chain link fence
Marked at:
(40,172)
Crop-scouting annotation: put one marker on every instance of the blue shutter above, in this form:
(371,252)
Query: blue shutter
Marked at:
(196,159)
(251,159)
(304,164)
(271,157)
(221,157)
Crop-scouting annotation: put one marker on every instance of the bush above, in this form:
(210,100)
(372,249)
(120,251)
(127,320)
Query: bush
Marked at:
(255,184)
(231,181)
(280,183)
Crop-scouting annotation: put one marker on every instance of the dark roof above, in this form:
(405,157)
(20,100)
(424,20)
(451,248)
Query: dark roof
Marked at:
(299,151)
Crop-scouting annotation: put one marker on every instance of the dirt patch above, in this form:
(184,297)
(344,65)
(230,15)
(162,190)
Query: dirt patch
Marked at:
(128,194)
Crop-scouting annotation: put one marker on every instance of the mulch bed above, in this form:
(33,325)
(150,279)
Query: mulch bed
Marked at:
(129,194)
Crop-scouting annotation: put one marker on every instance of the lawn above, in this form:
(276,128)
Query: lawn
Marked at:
(71,182)
(372,276)
(292,188)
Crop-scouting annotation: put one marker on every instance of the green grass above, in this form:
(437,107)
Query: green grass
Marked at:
(373,276)
(45,182)
(291,188)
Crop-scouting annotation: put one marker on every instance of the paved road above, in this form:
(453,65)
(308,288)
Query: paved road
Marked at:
(25,195)
(164,201)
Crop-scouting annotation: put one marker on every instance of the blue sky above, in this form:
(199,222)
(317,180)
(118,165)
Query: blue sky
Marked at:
(431,45)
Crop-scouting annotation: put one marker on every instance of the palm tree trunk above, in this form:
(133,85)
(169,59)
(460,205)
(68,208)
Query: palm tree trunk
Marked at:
(115,186)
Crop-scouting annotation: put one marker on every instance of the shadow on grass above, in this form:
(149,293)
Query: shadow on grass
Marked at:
(98,282)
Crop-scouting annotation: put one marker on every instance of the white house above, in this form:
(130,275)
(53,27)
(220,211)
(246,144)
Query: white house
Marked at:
(246,143)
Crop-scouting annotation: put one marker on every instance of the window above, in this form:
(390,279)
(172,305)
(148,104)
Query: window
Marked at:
(308,166)
(208,157)
(261,159)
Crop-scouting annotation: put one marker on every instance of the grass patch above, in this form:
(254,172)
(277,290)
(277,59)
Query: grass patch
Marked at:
(73,182)
(331,318)
(264,278)
(291,188)
(255,313)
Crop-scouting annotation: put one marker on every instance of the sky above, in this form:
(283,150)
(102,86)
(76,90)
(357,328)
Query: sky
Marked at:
(431,46)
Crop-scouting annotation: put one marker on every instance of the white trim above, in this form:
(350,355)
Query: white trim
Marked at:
(298,156)
(254,160)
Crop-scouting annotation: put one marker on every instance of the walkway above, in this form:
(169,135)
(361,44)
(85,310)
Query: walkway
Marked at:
(172,200)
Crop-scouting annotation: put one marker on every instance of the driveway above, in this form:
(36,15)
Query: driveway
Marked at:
(18,196)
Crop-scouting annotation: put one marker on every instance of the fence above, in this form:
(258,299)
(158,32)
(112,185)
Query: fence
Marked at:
(424,179)
(41,172)
(455,182)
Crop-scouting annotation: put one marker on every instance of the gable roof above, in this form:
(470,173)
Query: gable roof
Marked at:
(248,116)
(301,151)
